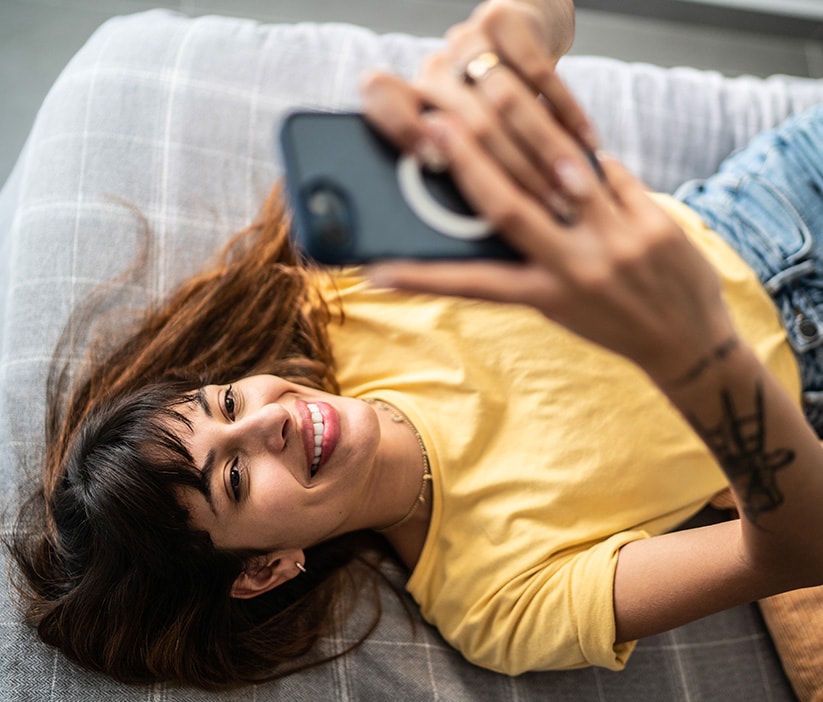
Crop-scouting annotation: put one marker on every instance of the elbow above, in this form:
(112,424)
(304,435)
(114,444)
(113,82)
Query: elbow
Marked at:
(777,565)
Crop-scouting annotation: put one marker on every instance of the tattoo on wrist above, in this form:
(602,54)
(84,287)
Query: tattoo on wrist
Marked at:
(719,353)
(738,443)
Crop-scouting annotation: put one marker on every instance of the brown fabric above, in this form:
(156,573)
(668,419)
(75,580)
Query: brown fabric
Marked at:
(795,622)
(723,500)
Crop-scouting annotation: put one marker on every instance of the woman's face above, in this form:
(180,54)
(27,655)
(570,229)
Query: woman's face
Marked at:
(286,466)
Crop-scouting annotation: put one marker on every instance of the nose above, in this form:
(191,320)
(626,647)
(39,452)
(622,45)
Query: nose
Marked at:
(266,427)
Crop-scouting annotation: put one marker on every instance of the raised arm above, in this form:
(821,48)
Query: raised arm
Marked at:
(621,273)
(775,467)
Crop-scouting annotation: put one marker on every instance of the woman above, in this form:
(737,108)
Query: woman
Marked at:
(201,505)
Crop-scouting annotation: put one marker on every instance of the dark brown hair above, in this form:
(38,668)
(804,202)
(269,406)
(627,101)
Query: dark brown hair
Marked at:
(112,572)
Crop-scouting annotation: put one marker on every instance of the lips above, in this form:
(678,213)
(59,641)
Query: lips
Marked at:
(320,429)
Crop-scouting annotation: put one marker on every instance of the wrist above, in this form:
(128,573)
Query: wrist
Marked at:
(704,364)
(730,369)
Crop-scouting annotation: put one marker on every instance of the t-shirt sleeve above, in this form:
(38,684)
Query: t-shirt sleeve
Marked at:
(558,616)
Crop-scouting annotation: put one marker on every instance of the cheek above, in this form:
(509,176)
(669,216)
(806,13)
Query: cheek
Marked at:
(278,500)
(269,521)
(271,497)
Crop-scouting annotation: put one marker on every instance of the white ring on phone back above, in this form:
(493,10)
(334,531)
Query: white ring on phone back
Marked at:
(438,217)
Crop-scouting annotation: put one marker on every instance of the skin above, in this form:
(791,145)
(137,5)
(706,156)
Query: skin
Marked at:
(617,271)
(262,493)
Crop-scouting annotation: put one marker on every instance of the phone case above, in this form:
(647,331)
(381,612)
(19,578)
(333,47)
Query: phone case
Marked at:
(356,199)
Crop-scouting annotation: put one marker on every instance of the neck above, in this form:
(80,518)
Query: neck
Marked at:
(404,493)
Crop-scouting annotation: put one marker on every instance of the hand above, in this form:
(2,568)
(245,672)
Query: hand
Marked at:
(529,36)
(622,275)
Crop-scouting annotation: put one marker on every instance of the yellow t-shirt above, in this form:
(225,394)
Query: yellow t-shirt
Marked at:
(548,454)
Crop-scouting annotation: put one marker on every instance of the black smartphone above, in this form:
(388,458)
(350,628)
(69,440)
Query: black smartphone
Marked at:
(355,198)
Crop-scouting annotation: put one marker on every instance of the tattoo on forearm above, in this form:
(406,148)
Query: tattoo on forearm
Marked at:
(719,353)
(738,442)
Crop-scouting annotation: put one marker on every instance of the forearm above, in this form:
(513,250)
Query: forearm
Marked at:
(774,464)
(772,458)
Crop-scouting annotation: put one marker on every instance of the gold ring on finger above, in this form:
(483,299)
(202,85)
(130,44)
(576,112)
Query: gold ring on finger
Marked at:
(480,66)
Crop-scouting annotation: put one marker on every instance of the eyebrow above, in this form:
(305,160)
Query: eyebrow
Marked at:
(203,401)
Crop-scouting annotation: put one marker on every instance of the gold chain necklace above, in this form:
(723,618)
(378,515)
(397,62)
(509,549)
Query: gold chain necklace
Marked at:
(397,416)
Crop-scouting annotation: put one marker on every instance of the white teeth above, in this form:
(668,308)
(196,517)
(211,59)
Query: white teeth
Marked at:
(317,426)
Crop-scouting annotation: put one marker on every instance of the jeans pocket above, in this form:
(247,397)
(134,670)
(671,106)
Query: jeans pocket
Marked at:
(764,226)
(775,233)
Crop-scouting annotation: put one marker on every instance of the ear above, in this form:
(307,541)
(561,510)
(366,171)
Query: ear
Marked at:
(266,572)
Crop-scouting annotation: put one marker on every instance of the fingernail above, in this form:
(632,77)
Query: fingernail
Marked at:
(429,148)
(571,177)
(431,155)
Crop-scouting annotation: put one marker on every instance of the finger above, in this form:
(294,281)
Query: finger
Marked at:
(394,108)
(560,100)
(441,86)
(537,133)
(628,192)
(645,214)
(613,192)
(516,215)
(521,45)
(485,280)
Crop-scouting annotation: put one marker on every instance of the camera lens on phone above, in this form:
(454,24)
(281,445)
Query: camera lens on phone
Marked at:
(329,216)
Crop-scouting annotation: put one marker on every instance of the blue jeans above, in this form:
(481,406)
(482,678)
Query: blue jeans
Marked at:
(766,201)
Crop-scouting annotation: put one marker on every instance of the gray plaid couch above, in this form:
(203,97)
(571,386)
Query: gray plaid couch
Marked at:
(168,120)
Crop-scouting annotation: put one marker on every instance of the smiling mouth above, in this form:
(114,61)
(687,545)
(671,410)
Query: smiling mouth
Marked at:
(318,427)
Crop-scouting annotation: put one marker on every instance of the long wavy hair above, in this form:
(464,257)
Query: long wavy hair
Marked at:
(112,572)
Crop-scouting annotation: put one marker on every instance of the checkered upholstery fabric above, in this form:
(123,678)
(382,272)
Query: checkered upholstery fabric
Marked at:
(161,129)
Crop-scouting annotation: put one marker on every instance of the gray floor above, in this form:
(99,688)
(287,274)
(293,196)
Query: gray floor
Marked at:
(37,37)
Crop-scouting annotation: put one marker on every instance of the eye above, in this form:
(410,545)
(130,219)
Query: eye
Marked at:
(234,479)
(229,403)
